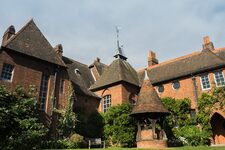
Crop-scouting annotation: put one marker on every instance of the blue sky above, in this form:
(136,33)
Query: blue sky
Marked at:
(86,28)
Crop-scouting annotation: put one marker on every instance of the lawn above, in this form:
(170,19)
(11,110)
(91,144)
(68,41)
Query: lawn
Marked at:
(177,148)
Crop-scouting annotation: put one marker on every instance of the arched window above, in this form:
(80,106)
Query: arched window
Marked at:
(106,102)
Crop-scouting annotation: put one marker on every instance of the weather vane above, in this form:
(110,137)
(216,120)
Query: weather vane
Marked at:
(117,35)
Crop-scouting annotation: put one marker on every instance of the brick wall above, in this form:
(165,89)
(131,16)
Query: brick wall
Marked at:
(187,89)
(88,104)
(28,71)
(120,93)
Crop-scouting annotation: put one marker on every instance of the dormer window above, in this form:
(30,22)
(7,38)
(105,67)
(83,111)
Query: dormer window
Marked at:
(77,71)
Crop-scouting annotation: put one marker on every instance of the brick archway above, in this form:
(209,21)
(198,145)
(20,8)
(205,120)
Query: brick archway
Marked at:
(218,128)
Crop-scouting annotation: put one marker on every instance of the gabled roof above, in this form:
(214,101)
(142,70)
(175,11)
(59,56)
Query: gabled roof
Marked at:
(148,102)
(118,70)
(30,41)
(187,65)
(80,76)
(101,67)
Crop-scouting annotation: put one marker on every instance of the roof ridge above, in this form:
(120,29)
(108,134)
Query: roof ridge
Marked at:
(217,56)
(182,57)
(77,62)
(174,59)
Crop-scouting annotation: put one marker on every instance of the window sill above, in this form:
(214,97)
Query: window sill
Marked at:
(206,89)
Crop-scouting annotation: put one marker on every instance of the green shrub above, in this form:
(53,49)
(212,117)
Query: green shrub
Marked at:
(91,126)
(77,141)
(120,128)
(20,127)
(55,144)
(191,135)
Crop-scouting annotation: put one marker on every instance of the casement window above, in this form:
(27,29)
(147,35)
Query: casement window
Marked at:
(219,78)
(205,82)
(106,102)
(176,85)
(62,86)
(7,72)
(160,89)
(43,91)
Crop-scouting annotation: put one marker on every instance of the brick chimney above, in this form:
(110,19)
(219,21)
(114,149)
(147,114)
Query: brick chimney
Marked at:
(207,43)
(152,60)
(59,49)
(98,59)
(8,34)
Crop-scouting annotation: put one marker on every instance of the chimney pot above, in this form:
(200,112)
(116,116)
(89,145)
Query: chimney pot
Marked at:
(59,49)
(207,43)
(8,34)
(152,60)
(98,59)
(206,40)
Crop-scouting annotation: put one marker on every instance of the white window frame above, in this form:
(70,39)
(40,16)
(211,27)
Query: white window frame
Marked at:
(12,73)
(202,83)
(106,105)
(215,78)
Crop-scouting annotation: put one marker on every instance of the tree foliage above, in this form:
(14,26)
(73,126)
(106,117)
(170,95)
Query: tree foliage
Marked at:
(89,126)
(179,115)
(20,127)
(120,128)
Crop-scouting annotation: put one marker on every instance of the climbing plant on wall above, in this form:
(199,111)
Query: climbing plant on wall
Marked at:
(68,118)
(181,128)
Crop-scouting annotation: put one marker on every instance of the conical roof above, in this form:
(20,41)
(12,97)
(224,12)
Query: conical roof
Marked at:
(148,102)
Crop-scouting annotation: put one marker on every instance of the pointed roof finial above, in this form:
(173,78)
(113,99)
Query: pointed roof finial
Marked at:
(119,53)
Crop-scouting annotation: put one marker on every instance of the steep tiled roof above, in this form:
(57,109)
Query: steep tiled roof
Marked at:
(187,65)
(149,102)
(99,66)
(118,70)
(80,76)
(30,41)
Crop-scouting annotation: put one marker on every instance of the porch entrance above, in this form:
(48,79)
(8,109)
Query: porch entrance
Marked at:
(218,128)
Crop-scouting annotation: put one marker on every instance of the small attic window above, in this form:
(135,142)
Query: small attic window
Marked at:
(77,71)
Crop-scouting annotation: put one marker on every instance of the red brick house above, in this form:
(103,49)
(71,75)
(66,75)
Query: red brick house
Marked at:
(27,58)
(188,77)
(184,77)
